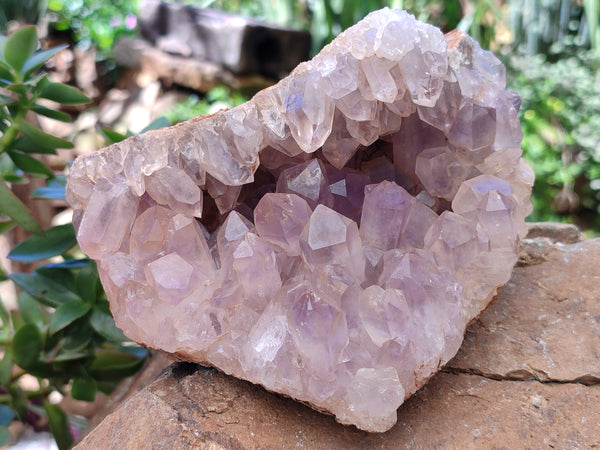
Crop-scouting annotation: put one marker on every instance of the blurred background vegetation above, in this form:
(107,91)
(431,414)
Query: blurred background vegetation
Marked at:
(551,49)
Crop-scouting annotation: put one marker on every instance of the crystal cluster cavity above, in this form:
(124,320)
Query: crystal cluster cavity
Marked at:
(331,238)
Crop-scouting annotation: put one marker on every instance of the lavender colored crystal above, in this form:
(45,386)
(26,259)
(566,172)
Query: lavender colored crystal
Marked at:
(331,238)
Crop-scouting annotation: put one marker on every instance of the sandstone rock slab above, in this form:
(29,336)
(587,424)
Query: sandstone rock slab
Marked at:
(197,407)
(552,333)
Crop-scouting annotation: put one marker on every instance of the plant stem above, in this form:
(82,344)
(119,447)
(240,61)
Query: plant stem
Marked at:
(18,374)
(40,393)
(11,133)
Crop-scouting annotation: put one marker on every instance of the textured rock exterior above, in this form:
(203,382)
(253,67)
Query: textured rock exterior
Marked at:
(542,326)
(331,238)
(238,43)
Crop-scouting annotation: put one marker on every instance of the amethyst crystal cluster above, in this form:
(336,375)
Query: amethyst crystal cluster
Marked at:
(331,238)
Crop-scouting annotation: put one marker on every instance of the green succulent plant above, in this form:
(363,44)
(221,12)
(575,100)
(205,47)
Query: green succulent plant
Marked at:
(62,332)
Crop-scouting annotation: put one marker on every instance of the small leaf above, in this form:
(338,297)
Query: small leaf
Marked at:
(112,365)
(4,100)
(43,139)
(27,145)
(19,399)
(6,225)
(57,240)
(37,60)
(84,389)
(27,345)
(67,313)
(5,438)
(6,77)
(11,206)
(45,289)
(70,356)
(45,370)
(18,88)
(3,40)
(20,46)
(112,136)
(16,319)
(87,283)
(64,94)
(74,368)
(30,309)
(28,164)
(161,122)
(13,178)
(6,367)
(6,415)
(104,324)
(55,188)
(6,164)
(37,82)
(76,342)
(69,264)
(65,278)
(51,113)
(12,109)
(4,317)
(59,425)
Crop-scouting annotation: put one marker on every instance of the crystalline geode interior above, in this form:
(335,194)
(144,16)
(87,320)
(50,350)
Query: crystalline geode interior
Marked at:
(329,239)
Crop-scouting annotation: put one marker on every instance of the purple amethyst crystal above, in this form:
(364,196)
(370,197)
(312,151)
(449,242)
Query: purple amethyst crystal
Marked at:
(331,238)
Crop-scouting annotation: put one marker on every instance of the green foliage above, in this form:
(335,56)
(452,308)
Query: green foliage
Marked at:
(77,342)
(548,26)
(56,241)
(559,86)
(112,137)
(327,18)
(19,47)
(19,76)
(62,331)
(219,97)
(592,14)
(96,22)
(6,417)
(560,115)
(14,208)
(25,11)
(59,425)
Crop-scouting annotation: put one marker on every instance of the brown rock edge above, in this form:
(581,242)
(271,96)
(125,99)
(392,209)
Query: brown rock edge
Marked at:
(193,73)
(527,376)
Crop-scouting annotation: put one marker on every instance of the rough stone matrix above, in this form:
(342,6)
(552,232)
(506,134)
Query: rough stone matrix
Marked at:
(329,239)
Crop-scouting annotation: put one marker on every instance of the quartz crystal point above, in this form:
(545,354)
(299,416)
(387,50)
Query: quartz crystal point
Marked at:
(331,238)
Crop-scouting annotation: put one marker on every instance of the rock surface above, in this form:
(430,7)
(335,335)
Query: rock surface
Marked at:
(192,73)
(553,333)
(526,377)
(240,44)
